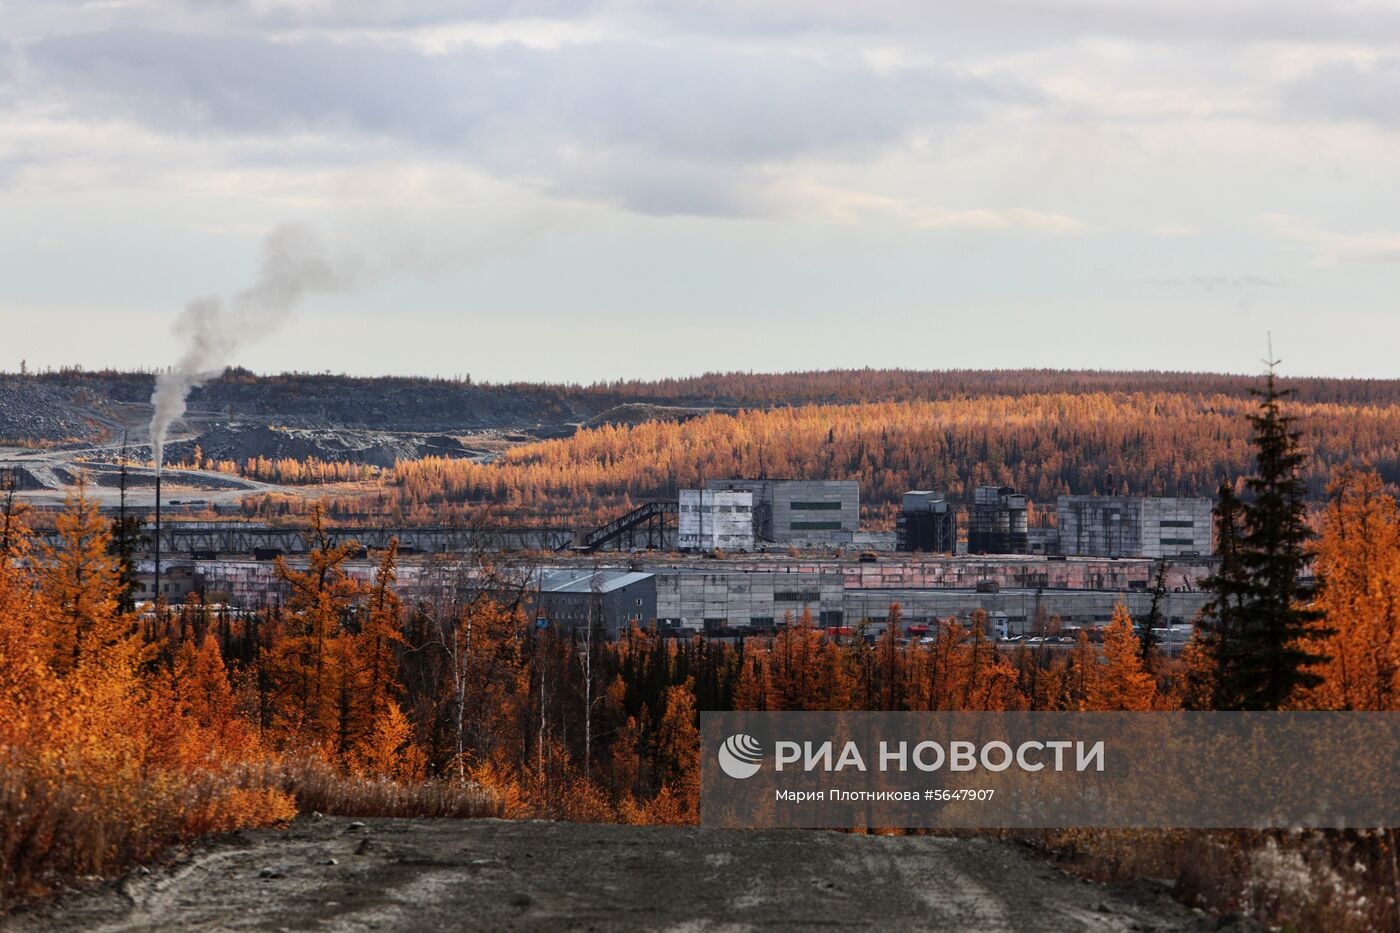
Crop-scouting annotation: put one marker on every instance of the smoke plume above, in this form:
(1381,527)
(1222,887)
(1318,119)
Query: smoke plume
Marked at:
(212,329)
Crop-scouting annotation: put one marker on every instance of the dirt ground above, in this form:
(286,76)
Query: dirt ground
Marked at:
(390,874)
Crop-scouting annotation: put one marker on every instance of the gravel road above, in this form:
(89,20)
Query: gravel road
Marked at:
(338,874)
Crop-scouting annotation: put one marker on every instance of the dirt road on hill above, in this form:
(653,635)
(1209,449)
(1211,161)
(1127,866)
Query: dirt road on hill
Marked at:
(338,874)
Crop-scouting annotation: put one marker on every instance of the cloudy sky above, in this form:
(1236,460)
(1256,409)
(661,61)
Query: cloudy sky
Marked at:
(583,190)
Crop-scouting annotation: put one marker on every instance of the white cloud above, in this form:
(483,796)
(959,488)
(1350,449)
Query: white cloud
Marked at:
(810,156)
(1331,247)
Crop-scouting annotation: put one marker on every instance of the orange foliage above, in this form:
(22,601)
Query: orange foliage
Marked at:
(105,760)
(1151,443)
(1121,682)
(1358,559)
(117,738)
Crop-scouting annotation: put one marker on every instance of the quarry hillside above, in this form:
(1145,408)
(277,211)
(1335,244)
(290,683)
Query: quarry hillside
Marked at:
(376,420)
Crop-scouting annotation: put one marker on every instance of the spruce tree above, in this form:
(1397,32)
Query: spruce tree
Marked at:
(1154,619)
(1232,589)
(1263,618)
(126,537)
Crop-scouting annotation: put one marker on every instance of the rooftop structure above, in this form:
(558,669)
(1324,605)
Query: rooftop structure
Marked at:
(927,522)
(999,522)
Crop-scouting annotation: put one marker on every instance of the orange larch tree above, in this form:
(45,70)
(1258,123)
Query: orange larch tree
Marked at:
(1122,682)
(1358,562)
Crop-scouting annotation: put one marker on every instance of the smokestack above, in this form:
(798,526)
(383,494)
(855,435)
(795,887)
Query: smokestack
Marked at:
(156,603)
(212,330)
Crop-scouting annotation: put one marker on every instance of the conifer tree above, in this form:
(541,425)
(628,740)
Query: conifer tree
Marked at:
(79,580)
(1217,638)
(676,752)
(310,662)
(1358,566)
(1122,683)
(1263,617)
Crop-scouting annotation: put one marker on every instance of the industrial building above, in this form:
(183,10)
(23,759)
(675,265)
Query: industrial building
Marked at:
(1131,526)
(177,583)
(810,513)
(1024,611)
(611,600)
(1024,592)
(717,600)
(709,600)
(716,519)
(927,523)
(999,522)
(759,591)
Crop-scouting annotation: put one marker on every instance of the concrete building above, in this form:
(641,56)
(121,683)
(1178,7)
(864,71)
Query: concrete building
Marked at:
(696,601)
(700,600)
(1042,540)
(812,513)
(874,541)
(999,522)
(1025,611)
(1132,526)
(693,594)
(177,582)
(927,523)
(716,519)
(611,599)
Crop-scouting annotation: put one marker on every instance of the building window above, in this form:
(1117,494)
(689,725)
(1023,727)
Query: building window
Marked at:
(816,526)
(1178,523)
(817,506)
(1182,542)
(797,596)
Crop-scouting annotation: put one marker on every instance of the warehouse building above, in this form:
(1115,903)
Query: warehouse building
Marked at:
(612,600)
(1130,526)
(810,513)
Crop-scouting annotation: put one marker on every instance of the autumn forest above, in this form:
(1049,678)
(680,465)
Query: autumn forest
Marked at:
(1164,443)
(127,730)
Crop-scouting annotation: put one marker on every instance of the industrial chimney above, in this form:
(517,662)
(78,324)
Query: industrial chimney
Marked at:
(155,605)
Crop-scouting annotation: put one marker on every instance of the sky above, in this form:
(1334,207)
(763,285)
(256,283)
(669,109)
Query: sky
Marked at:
(582,191)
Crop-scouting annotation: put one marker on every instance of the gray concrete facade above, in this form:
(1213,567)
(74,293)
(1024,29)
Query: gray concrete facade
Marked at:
(1020,608)
(693,593)
(706,601)
(810,513)
(1133,526)
(712,519)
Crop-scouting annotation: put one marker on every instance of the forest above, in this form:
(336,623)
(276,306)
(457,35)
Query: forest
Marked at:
(126,729)
(1159,443)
